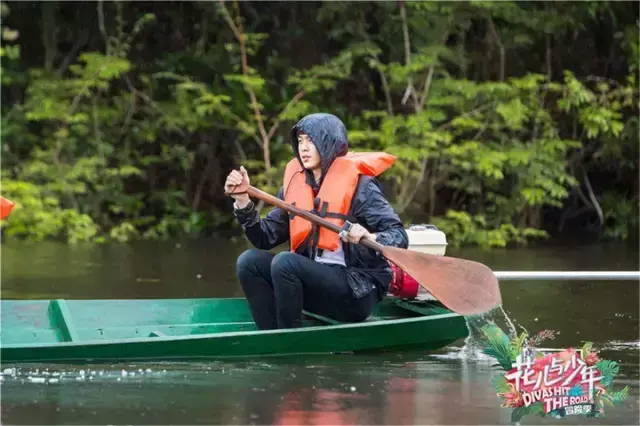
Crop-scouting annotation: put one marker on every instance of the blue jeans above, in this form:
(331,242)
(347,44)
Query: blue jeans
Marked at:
(278,287)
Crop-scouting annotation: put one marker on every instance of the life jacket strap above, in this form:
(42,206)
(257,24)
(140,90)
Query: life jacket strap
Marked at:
(320,209)
(292,215)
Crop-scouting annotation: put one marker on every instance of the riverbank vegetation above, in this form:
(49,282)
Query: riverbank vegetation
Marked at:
(511,120)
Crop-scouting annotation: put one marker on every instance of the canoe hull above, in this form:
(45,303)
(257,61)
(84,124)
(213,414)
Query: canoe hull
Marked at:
(433,329)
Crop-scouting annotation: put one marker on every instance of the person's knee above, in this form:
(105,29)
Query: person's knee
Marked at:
(284,262)
(247,261)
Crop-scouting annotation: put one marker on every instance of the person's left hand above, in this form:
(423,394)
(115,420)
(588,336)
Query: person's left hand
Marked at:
(356,233)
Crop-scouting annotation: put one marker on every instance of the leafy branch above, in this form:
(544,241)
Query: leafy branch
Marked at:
(238,32)
(266,136)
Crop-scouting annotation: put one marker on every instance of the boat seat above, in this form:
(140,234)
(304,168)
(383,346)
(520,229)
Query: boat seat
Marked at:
(335,322)
(321,318)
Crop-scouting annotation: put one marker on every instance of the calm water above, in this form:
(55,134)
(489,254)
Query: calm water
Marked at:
(450,386)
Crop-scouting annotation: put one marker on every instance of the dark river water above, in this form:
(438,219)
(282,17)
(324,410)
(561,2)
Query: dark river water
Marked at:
(449,386)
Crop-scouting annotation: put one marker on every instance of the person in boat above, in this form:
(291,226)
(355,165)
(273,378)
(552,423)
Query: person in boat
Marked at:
(323,272)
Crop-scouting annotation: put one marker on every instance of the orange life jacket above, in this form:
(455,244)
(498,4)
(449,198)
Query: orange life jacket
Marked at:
(5,207)
(333,201)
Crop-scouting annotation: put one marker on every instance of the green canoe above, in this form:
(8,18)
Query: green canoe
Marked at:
(182,329)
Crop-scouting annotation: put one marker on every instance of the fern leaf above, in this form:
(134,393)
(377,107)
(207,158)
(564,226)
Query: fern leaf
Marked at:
(498,346)
(605,398)
(620,396)
(517,344)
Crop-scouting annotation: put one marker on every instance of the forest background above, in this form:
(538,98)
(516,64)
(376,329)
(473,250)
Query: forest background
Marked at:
(511,121)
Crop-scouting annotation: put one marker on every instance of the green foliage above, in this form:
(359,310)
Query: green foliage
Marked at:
(494,144)
(464,229)
(38,215)
(73,184)
(133,137)
(326,76)
(620,214)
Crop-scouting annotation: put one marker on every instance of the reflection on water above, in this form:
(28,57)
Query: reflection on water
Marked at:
(408,388)
(450,386)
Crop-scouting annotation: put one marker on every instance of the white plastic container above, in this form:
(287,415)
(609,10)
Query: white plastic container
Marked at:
(427,239)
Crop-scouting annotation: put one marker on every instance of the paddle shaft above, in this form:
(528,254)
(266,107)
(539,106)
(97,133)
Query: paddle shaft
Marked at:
(275,201)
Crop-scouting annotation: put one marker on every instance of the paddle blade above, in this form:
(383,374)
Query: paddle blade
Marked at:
(464,286)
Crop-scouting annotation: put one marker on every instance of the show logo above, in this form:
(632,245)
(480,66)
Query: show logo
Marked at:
(557,384)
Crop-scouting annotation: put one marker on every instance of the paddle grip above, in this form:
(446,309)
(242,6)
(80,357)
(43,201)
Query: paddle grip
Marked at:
(270,199)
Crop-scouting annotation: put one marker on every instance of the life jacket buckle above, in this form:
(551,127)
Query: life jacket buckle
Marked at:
(346,228)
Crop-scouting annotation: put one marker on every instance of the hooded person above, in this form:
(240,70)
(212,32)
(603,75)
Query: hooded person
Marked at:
(322,272)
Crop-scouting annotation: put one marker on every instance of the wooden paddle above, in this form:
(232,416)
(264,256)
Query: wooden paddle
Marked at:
(464,286)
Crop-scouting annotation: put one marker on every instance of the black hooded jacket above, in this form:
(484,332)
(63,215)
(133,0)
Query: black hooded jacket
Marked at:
(366,269)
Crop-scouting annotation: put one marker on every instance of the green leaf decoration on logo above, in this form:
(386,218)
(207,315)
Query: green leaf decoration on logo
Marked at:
(532,409)
(499,346)
(575,391)
(556,414)
(500,384)
(517,344)
(618,397)
(586,348)
(609,370)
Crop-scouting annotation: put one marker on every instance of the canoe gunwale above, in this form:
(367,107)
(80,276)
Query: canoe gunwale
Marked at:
(342,326)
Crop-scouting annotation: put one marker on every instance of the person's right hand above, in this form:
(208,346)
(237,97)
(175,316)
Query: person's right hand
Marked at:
(238,182)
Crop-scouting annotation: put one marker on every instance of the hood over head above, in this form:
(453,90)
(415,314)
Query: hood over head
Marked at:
(328,134)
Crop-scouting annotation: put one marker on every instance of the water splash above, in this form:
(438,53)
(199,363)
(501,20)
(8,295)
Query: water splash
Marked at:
(475,342)
(512,327)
